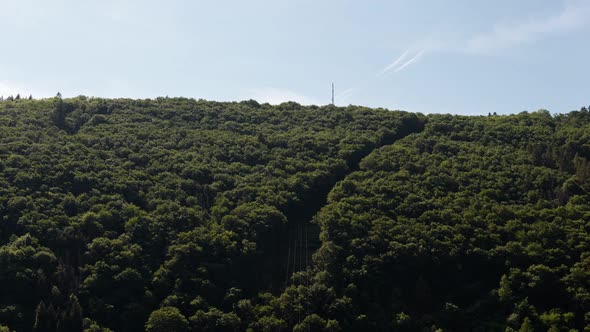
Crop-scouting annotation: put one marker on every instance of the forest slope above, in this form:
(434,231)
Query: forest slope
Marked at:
(178,214)
(474,224)
(113,208)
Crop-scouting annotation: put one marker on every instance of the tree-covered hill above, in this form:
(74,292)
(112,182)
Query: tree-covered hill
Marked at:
(181,215)
(113,208)
(474,224)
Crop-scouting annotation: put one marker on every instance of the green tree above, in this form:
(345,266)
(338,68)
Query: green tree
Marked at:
(58,116)
(166,319)
(527,326)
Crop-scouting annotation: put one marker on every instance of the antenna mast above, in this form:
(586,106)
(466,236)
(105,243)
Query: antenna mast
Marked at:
(332,93)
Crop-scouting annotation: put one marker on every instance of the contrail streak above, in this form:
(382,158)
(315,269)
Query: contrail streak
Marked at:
(409,62)
(394,66)
(394,63)
(346,92)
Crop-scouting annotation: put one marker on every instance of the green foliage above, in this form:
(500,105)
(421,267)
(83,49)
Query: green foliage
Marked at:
(166,319)
(177,214)
(129,205)
(454,227)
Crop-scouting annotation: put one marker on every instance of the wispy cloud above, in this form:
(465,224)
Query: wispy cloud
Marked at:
(401,62)
(8,88)
(346,93)
(276,96)
(409,62)
(343,98)
(503,36)
(393,64)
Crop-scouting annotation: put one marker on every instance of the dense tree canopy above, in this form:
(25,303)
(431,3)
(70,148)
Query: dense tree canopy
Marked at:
(182,214)
(132,205)
(474,224)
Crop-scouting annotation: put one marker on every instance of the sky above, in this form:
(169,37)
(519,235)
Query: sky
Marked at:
(429,56)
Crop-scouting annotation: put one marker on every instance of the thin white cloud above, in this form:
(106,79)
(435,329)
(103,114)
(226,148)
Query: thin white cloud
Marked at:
(409,62)
(12,89)
(346,93)
(573,16)
(394,63)
(343,98)
(276,96)
(397,65)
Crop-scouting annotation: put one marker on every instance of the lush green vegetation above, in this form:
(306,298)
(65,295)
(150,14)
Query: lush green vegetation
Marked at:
(113,208)
(186,215)
(475,224)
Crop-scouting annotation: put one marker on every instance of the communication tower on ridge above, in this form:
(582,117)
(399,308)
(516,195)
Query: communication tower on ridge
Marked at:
(332,93)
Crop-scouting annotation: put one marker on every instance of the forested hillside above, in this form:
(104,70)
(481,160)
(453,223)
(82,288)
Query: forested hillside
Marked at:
(181,215)
(113,208)
(474,224)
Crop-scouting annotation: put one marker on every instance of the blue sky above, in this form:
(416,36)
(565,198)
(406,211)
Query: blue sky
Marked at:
(460,57)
